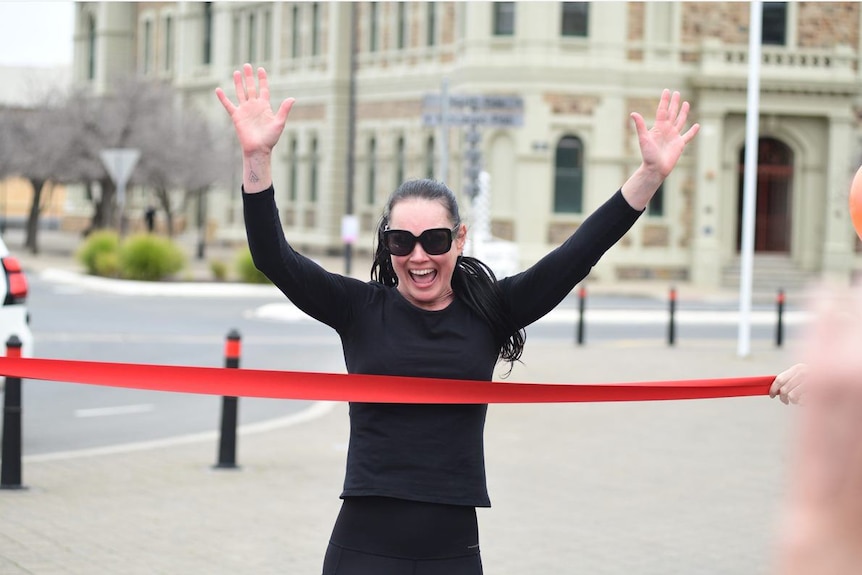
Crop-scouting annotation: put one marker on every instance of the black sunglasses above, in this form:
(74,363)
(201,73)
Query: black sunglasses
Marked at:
(435,241)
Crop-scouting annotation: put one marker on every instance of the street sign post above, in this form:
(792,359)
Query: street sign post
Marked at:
(120,162)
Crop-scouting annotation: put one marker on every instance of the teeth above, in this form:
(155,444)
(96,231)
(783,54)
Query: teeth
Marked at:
(420,272)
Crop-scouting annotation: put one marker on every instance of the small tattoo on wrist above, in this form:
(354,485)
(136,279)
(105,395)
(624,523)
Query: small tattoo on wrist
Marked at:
(253,177)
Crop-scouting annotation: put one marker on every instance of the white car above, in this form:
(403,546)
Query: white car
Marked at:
(14,317)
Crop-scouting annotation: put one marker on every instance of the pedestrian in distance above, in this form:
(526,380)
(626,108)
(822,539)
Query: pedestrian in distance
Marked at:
(416,473)
(150,218)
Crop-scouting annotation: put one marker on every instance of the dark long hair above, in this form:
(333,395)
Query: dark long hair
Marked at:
(473,282)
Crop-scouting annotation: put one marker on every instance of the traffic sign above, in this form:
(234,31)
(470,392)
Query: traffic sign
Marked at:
(476,119)
(475,101)
(120,162)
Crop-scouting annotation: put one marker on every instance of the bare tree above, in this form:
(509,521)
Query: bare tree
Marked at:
(180,159)
(35,148)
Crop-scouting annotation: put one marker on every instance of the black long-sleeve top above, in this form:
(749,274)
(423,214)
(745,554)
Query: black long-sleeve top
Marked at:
(431,453)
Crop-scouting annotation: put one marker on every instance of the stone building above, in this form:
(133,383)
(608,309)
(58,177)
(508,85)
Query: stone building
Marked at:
(579,68)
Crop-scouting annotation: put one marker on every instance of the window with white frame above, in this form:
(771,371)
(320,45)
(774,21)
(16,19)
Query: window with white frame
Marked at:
(504,18)
(372,170)
(431,23)
(147,50)
(774,25)
(168,43)
(315,29)
(429,157)
(295,22)
(312,171)
(569,175)
(372,27)
(401,27)
(207,34)
(399,161)
(575,19)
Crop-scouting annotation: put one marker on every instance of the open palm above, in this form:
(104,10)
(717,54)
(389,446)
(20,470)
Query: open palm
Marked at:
(257,127)
(662,145)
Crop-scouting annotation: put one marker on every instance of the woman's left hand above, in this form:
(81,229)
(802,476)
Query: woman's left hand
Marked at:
(662,145)
(790,384)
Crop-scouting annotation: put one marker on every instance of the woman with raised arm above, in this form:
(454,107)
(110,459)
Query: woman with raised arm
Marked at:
(416,473)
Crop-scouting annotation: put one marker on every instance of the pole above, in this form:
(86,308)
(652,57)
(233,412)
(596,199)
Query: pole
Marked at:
(779,328)
(671,326)
(582,299)
(749,189)
(351,137)
(10,468)
(227,440)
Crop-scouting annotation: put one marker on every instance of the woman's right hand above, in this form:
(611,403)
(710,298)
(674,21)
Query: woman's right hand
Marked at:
(257,127)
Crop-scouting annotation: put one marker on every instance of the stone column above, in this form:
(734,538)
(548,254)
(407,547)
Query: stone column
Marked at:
(705,250)
(838,234)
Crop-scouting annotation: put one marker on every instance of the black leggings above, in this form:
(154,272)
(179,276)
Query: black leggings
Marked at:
(385,536)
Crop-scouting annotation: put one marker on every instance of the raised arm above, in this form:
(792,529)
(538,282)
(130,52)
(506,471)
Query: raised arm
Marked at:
(661,147)
(257,127)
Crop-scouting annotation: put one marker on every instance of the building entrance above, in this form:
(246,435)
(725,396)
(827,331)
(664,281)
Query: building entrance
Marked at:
(773,213)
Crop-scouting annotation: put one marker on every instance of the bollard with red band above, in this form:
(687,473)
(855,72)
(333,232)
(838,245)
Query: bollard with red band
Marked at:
(779,328)
(671,327)
(229,409)
(10,467)
(582,299)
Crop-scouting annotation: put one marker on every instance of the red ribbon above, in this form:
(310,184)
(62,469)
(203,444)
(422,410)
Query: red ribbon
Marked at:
(236,382)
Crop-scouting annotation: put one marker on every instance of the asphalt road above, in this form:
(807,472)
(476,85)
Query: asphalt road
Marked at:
(71,321)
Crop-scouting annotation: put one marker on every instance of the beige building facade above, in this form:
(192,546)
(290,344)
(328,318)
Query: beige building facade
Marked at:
(579,68)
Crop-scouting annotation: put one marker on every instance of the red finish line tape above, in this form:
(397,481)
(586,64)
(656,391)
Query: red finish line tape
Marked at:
(235,382)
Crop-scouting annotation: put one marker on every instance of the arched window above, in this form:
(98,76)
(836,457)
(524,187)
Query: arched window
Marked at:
(569,175)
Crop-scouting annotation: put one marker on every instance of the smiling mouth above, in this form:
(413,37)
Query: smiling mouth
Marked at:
(423,277)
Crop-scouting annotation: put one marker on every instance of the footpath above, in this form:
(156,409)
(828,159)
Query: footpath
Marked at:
(618,488)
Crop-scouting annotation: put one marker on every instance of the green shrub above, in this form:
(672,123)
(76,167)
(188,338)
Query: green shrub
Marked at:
(97,243)
(107,264)
(219,270)
(149,258)
(246,270)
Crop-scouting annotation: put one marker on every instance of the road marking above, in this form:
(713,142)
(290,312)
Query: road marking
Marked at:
(312,412)
(115,410)
(144,338)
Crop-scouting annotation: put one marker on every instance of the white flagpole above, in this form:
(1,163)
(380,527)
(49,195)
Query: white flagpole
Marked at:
(749,186)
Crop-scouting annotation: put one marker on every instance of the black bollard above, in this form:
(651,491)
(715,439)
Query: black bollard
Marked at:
(227,441)
(10,468)
(779,328)
(671,327)
(582,299)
